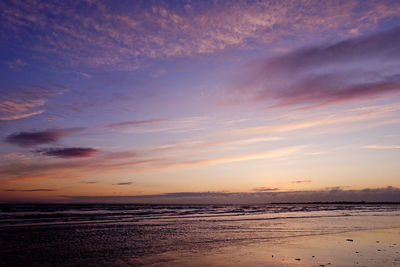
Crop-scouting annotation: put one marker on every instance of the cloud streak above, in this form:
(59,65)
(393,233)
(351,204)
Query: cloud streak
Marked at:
(24,102)
(39,137)
(265,189)
(68,152)
(125,183)
(363,68)
(271,154)
(30,190)
(368,116)
(382,146)
(114,163)
(300,181)
(132,123)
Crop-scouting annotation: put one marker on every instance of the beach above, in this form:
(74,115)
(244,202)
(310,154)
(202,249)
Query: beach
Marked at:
(368,248)
(199,133)
(200,235)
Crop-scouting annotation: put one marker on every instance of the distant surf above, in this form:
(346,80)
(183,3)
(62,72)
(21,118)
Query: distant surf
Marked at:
(39,214)
(165,235)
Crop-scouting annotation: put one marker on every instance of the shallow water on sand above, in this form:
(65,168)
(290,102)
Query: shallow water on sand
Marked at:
(97,235)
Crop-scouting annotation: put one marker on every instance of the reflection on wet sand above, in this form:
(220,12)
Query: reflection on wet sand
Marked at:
(368,248)
(200,235)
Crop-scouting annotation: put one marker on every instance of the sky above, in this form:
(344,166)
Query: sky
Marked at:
(199,101)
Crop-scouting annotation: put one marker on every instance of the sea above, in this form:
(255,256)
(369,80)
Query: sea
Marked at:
(126,234)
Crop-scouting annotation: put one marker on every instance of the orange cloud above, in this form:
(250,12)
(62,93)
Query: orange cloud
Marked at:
(300,181)
(382,146)
(116,162)
(381,114)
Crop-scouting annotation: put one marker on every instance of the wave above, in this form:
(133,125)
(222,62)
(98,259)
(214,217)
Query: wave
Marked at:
(28,214)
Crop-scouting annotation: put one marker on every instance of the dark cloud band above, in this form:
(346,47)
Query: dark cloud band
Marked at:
(69,152)
(39,137)
(126,183)
(30,190)
(388,194)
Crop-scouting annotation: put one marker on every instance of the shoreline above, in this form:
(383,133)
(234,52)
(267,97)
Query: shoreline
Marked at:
(263,238)
(373,247)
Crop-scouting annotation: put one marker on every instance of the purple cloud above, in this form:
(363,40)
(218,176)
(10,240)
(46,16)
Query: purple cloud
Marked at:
(25,101)
(30,190)
(361,68)
(17,64)
(300,181)
(125,183)
(265,189)
(382,46)
(325,89)
(69,152)
(132,123)
(40,137)
(388,194)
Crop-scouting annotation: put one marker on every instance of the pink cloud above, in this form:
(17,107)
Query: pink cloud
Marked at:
(25,102)
(115,162)
(93,34)
(17,64)
(132,123)
(11,117)
(357,69)
(301,181)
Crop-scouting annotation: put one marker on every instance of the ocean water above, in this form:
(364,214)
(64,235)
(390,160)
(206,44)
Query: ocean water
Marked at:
(123,234)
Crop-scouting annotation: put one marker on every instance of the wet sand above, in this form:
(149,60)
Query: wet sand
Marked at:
(253,235)
(358,248)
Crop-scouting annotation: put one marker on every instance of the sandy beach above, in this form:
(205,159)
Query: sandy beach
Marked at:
(200,235)
(358,248)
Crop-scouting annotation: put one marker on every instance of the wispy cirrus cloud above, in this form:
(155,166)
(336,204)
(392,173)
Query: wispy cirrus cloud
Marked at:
(24,102)
(11,117)
(155,159)
(16,65)
(329,122)
(80,168)
(131,123)
(224,140)
(179,125)
(270,154)
(68,152)
(93,33)
(114,163)
(362,68)
(39,137)
(382,146)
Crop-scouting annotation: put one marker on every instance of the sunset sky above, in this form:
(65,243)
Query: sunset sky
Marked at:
(221,100)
